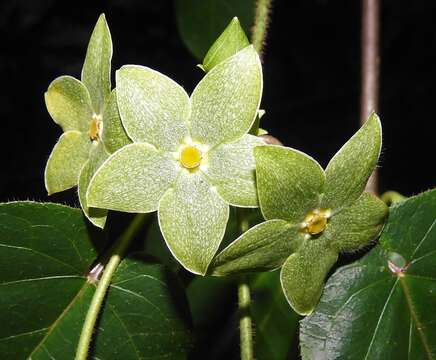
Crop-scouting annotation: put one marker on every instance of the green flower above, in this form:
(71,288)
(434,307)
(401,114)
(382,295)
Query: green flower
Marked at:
(311,215)
(87,112)
(191,157)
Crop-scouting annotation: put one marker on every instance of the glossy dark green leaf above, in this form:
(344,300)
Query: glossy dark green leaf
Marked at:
(383,306)
(44,295)
(275,323)
(46,250)
(145,316)
(200,22)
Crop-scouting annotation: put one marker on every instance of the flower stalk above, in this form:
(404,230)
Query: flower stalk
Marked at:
(117,254)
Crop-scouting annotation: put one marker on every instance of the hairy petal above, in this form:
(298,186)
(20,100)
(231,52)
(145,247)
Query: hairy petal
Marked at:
(66,161)
(69,104)
(264,247)
(96,72)
(349,170)
(225,102)
(231,168)
(304,272)
(289,182)
(153,108)
(193,219)
(133,179)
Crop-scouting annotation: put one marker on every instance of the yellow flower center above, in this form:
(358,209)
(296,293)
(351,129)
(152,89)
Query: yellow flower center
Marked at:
(95,127)
(190,157)
(315,221)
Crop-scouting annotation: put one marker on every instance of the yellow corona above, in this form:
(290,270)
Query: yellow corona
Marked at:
(95,127)
(315,221)
(190,157)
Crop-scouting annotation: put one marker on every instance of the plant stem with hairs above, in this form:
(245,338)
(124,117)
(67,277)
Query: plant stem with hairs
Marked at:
(116,255)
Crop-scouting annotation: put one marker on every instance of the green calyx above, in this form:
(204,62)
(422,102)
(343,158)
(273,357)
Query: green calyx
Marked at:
(87,112)
(312,215)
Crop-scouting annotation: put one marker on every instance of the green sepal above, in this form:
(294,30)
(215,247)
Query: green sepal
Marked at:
(232,40)
(97,156)
(349,170)
(114,135)
(226,101)
(304,272)
(193,219)
(289,182)
(133,179)
(69,104)
(264,247)
(66,161)
(153,108)
(231,169)
(355,226)
(97,66)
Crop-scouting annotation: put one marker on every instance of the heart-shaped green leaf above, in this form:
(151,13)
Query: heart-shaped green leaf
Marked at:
(229,43)
(46,250)
(200,22)
(382,307)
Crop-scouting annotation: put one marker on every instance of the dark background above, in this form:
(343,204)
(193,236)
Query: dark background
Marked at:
(311,68)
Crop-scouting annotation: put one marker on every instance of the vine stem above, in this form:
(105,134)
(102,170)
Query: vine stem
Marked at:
(369,97)
(244,303)
(261,22)
(245,323)
(116,255)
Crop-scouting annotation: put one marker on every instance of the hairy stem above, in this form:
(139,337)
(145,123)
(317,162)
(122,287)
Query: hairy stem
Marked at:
(370,67)
(392,197)
(261,22)
(244,303)
(116,255)
(245,324)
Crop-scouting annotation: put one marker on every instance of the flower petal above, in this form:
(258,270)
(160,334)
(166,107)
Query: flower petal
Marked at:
(349,170)
(289,182)
(232,40)
(69,104)
(114,136)
(353,227)
(193,219)
(96,72)
(66,161)
(153,108)
(231,169)
(133,179)
(304,272)
(225,102)
(97,156)
(264,247)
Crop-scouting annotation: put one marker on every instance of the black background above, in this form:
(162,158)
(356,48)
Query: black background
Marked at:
(311,68)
